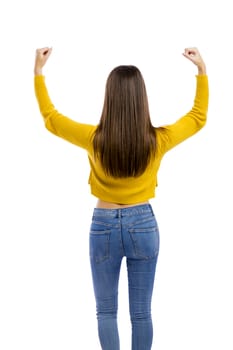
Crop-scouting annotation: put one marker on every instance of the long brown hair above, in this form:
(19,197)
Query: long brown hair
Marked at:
(125,138)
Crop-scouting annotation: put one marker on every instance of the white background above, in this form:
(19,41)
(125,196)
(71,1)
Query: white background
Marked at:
(46,297)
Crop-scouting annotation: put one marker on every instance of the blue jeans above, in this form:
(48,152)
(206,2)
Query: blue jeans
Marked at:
(115,233)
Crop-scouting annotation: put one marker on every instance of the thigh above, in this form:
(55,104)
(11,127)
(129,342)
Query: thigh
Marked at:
(141,275)
(143,238)
(104,258)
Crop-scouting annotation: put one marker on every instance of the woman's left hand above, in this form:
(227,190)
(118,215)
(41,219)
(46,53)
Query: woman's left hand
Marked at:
(42,56)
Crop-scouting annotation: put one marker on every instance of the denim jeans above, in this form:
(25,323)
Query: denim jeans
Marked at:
(131,232)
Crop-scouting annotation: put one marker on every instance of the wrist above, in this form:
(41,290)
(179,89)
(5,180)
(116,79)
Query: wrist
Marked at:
(38,71)
(202,69)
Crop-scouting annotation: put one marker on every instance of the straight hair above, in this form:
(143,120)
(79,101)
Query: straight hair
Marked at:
(124,140)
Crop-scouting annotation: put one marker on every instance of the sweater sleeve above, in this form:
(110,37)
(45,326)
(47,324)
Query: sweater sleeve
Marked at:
(171,135)
(58,124)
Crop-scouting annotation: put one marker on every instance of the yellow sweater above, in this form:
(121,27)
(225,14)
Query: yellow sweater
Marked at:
(130,190)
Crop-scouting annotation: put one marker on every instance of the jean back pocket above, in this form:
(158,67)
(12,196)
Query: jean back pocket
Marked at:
(145,241)
(99,245)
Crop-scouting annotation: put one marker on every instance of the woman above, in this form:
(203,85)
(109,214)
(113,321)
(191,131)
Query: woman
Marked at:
(124,152)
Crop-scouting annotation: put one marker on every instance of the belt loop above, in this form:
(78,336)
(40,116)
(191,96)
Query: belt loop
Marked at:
(119,213)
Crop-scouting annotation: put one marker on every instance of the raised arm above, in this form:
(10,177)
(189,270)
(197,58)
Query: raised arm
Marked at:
(171,135)
(60,125)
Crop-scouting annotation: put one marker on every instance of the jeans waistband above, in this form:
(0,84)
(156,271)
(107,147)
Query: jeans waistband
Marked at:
(128,211)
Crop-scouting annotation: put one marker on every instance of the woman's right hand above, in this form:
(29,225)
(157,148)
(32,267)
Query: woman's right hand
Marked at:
(41,58)
(194,56)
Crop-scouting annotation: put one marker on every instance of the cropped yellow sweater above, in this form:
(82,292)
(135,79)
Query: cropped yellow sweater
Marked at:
(130,190)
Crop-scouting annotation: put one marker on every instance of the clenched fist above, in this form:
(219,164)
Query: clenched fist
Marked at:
(194,56)
(42,56)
